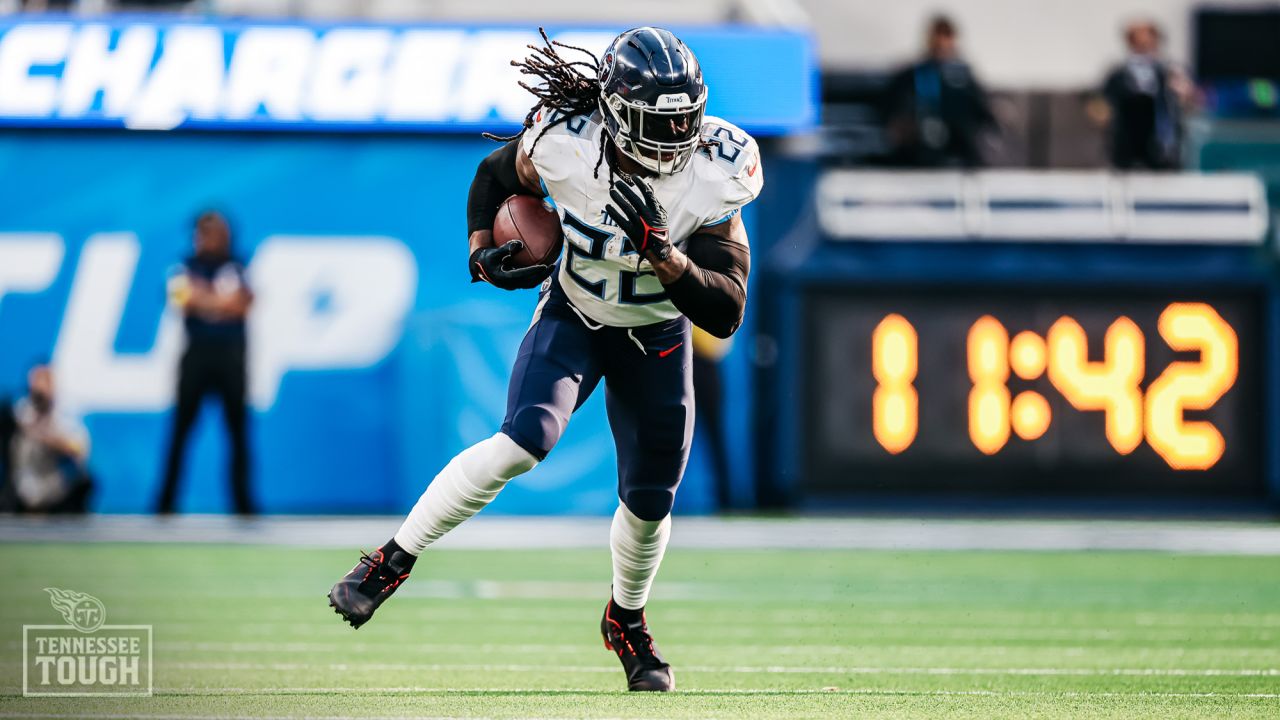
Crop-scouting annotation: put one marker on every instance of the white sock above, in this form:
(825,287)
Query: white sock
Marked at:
(471,480)
(638,546)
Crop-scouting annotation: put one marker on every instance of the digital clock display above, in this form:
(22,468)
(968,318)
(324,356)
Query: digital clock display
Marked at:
(970,391)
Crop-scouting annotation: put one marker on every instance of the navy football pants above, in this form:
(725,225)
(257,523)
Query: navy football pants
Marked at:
(648,394)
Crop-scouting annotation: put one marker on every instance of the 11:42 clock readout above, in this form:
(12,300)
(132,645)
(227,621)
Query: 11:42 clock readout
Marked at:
(1113,384)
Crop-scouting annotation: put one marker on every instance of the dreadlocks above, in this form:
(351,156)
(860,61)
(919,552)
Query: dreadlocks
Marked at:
(562,88)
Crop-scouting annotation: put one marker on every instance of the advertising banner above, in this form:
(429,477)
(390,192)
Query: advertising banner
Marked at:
(166,72)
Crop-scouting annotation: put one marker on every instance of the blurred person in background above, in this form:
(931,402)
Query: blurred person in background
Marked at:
(1145,97)
(8,427)
(33,6)
(47,452)
(213,294)
(936,111)
(708,392)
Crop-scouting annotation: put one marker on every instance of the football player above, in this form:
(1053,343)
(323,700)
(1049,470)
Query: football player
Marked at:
(648,189)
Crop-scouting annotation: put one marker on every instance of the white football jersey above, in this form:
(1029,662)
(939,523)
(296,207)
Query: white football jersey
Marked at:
(599,271)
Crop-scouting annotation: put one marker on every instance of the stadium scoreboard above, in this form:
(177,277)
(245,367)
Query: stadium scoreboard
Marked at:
(1093,391)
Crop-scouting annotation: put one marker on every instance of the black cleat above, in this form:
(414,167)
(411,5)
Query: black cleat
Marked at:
(369,584)
(645,668)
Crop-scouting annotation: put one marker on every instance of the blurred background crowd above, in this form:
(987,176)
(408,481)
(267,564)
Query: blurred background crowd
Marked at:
(1030,161)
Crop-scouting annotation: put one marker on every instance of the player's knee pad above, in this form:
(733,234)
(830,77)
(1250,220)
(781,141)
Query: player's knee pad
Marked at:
(498,458)
(649,504)
(536,429)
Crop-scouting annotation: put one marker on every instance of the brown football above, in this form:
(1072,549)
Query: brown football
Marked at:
(526,218)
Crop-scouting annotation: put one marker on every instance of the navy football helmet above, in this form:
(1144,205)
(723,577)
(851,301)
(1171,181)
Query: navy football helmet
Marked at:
(652,98)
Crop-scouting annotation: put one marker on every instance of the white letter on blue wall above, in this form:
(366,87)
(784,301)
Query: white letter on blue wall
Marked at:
(420,85)
(28,261)
(21,48)
(186,81)
(325,303)
(269,70)
(91,375)
(119,73)
(349,74)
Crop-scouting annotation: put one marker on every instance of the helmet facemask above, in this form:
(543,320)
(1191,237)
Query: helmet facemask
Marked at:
(661,137)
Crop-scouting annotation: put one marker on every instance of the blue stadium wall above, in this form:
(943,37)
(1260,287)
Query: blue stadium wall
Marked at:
(381,359)
(374,360)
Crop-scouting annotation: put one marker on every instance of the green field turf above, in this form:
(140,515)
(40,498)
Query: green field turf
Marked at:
(246,632)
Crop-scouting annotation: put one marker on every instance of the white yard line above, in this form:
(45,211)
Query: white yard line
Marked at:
(868,633)
(247,646)
(144,716)
(741,669)
(990,619)
(1228,538)
(147,716)
(1258,655)
(485,692)
(731,669)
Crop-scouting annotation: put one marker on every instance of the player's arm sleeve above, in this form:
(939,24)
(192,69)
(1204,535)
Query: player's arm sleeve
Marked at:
(496,180)
(712,292)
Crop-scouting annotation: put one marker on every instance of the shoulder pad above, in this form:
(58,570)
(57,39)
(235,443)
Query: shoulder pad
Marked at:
(563,142)
(730,158)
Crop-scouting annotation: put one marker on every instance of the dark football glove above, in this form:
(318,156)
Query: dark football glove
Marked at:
(490,265)
(641,217)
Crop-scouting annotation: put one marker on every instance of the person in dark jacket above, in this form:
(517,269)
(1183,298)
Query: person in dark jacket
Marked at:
(8,428)
(1145,96)
(211,290)
(936,109)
